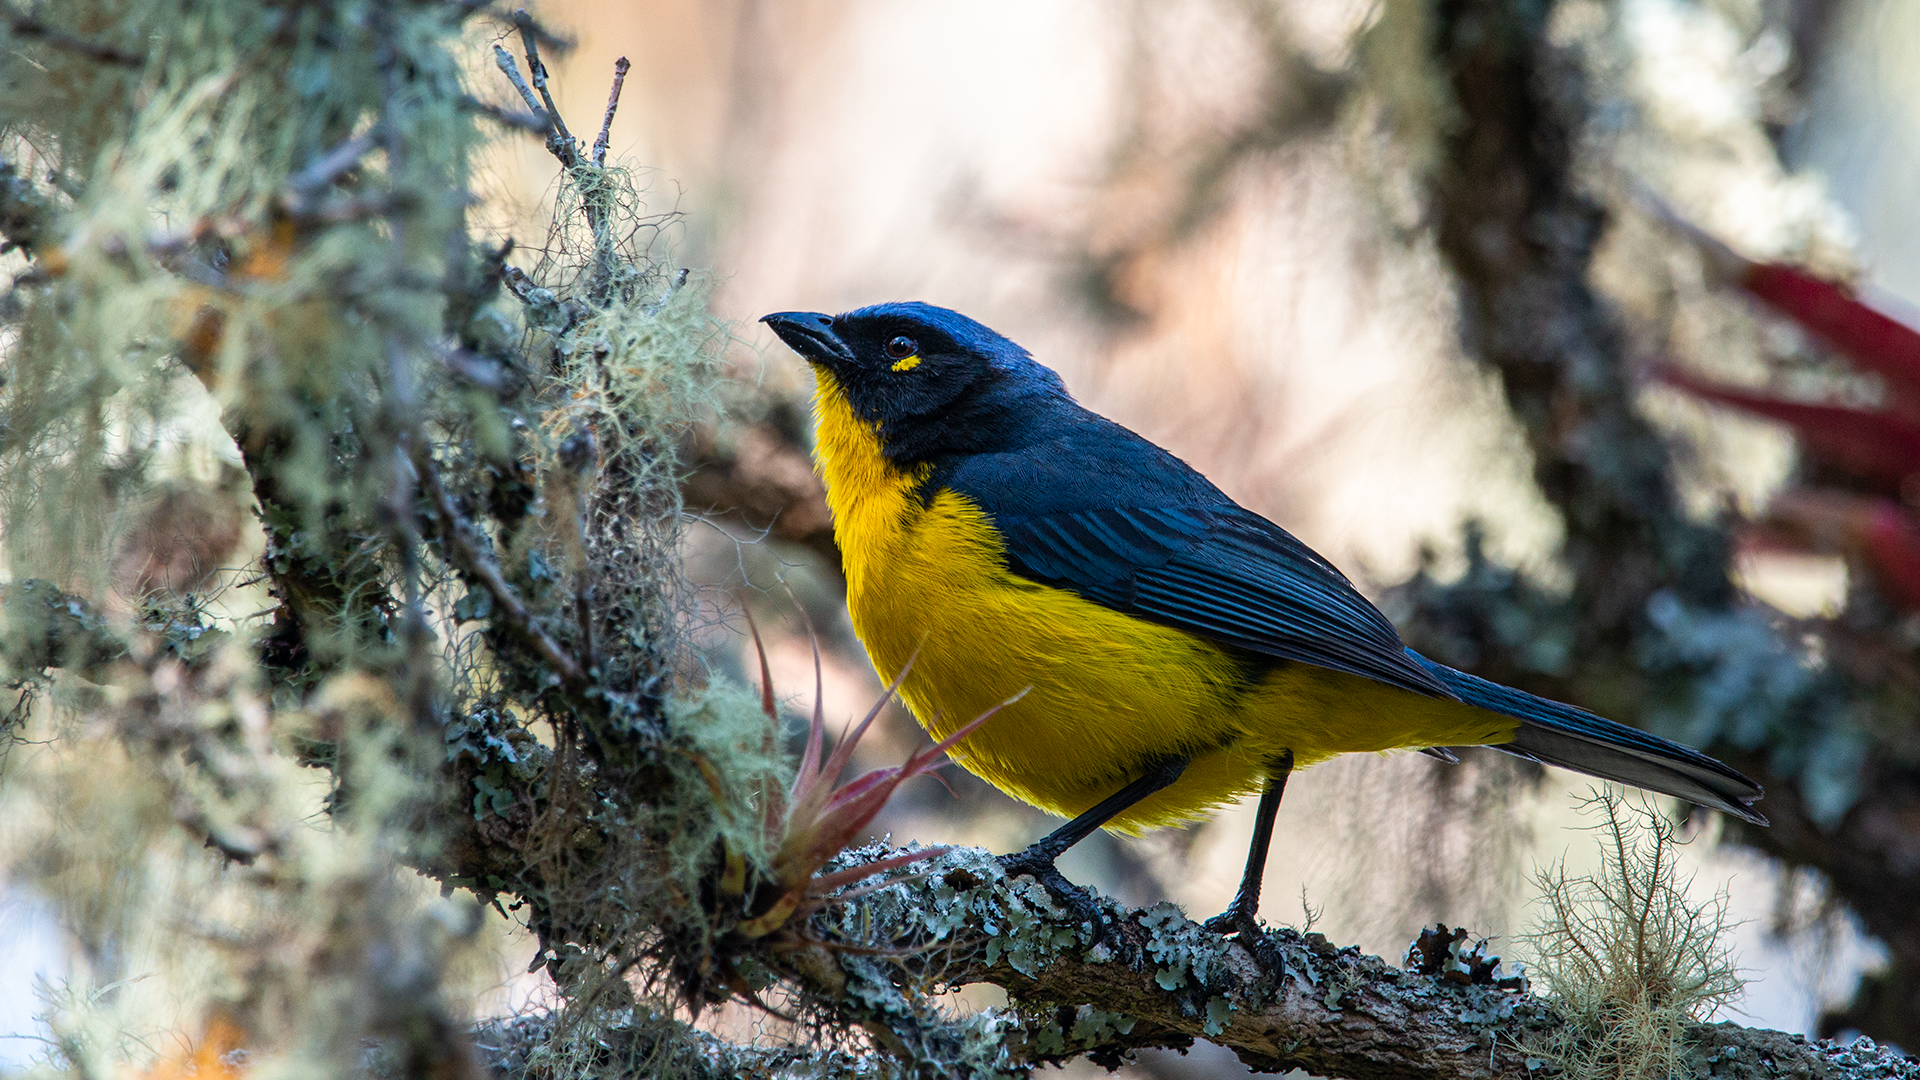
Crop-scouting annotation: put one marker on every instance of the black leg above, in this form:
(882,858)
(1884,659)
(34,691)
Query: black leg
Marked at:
(1246,903)
(1038,858)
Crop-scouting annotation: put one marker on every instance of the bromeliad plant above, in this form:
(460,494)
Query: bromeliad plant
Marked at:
(1861,496)
(805,827)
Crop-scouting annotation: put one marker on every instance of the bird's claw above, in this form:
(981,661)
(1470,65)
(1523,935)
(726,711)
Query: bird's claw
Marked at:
(1077,901)
(1239,921)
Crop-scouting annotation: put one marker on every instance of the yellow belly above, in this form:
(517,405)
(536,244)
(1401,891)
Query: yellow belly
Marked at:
(1104,694)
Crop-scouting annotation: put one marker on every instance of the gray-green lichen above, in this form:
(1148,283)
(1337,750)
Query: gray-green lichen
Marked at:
(1154,978)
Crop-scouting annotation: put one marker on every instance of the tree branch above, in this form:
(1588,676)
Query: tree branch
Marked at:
(26,26)
(478,566)
(760,476)
(1160,980)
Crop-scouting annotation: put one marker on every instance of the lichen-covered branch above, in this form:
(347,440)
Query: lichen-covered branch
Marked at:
(1157,979)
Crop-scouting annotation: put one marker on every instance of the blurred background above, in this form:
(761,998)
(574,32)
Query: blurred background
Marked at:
(1237,227)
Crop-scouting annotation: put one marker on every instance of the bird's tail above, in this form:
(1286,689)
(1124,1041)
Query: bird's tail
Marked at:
(1577,739)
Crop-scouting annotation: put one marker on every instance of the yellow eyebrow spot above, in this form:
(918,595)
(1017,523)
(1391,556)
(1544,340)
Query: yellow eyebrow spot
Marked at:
(908,364)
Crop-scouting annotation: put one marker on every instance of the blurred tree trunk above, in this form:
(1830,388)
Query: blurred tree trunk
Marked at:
(1651,619)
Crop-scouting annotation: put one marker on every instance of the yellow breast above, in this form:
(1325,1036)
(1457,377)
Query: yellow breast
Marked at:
(1105,694)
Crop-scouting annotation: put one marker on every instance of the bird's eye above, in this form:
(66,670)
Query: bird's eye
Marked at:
(901,347)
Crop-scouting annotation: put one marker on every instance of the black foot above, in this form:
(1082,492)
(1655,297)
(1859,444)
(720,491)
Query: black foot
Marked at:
(1239,921)
(1235,920)
(1077,901)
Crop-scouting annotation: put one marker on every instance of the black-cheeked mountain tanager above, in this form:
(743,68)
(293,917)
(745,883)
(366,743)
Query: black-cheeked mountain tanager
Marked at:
(1175,650)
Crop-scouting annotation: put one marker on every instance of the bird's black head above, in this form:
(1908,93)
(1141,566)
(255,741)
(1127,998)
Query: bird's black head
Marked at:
(930,381)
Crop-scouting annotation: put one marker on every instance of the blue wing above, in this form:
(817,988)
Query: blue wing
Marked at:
(1219,571)
(1094,508)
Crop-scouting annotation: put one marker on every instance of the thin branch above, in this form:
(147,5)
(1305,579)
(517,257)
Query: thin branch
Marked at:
(329,166)
(26,26)
(505,62)
(479,566)
(560,141)
(559,43)
(620,68)
(535,121)
(564,147)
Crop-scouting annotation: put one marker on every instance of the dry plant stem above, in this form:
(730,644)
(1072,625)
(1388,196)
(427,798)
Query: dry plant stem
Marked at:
(563,146)
(620,68)
(601,275)
(561,141)
(535,122)
(329,167)
(504,61)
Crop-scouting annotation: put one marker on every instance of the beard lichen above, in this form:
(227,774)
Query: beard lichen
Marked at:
(1626,955)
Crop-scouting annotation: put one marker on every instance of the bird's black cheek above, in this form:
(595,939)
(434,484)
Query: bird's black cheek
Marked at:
(868,400)
(901,400)
(925,399)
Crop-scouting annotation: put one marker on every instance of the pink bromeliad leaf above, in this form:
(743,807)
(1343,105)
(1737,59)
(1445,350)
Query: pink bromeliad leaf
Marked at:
(1879,531)
(1872,339)
(1875,445)
(1869,337)
(824,820)
(813,820)
(1881,446)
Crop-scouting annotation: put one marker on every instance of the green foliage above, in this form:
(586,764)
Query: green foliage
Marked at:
(1625,955)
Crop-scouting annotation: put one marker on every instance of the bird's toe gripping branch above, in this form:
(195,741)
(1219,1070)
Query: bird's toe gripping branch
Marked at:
(1037,862)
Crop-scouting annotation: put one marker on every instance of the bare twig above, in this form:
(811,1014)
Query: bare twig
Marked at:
(535,121)
(679,282)
(559,140)
(328,167)
(558,43)
(476,564)
(504,60)
(620,67)
(521,286)
(26,26)
(564,147)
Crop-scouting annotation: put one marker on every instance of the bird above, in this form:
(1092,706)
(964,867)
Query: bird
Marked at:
(1159,650)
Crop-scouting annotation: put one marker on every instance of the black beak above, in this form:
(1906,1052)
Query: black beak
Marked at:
(810,334)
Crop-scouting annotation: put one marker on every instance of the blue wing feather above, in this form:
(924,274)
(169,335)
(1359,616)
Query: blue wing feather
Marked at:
(1102,512)
(1221,572)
